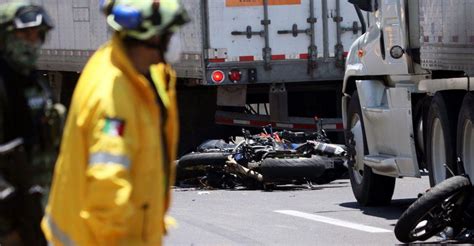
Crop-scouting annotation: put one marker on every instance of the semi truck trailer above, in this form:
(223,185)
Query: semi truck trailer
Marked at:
(244,63)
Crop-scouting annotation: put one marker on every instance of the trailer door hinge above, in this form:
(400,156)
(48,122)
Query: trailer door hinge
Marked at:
(313,56)
(337,18)
(340,61)
(355,28)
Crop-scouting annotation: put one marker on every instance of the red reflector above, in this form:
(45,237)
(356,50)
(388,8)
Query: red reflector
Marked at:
(278,57)
(304,56)
(235,75)
(217,76)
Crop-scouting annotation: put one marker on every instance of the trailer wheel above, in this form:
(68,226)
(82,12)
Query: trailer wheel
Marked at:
(465,135)
(441,206)
(369,189)
(440,140)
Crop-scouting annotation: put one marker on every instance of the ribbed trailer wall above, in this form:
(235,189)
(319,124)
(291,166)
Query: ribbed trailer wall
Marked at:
(281,42)
(80,28)
(191,37)
(447,35)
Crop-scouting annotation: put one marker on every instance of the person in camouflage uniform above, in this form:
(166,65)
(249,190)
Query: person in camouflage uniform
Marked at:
(30,124)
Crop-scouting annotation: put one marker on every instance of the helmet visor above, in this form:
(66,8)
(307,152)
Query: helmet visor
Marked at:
(32,16)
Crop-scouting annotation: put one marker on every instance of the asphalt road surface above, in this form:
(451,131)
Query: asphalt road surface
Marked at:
(293,215)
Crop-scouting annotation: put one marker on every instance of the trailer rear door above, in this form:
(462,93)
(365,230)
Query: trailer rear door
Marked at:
(227,17)
(274,31)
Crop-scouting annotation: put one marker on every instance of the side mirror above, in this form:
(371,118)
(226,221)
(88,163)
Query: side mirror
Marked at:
(366,5)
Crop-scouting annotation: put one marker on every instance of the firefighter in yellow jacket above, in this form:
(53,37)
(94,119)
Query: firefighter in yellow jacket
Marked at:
(112,178)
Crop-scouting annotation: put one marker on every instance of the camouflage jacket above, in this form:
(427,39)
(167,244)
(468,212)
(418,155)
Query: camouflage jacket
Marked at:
(30,128)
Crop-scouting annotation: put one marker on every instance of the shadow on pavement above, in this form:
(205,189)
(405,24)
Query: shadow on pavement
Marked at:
(391,212)
(304,188)
(340,183)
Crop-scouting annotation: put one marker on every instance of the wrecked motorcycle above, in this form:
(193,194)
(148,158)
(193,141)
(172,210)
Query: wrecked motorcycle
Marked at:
(264,161)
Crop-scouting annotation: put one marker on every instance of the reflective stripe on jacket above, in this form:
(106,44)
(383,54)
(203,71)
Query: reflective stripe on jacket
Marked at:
(111,183)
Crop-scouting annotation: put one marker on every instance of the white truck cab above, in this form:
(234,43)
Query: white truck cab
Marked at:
(407,101)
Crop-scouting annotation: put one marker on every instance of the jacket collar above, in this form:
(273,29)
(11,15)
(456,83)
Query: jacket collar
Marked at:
(121,60)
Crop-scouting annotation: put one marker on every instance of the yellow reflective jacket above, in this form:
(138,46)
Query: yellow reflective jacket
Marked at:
(112,178)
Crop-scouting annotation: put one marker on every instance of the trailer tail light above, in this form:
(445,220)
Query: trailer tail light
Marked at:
(235,75)
(217,76)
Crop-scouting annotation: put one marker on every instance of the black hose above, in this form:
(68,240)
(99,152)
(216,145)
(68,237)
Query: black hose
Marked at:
(361,18)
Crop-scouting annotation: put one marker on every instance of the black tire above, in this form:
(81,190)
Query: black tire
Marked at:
(214,159)
(195,165)
(332,174)
(268,187)
(420,114)
(274,169)
(455,190)
(439,113)
(466,116)
(369,189)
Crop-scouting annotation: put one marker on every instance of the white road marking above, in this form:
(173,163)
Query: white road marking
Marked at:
(332,221)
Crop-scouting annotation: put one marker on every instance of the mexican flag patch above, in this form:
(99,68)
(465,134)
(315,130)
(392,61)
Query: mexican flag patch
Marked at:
(114,127)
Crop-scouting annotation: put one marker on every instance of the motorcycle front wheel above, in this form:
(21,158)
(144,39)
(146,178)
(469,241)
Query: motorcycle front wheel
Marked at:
(441,206)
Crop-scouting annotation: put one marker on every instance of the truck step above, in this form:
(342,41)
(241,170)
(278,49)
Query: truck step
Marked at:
(376,109)
(385,164)
(375,113)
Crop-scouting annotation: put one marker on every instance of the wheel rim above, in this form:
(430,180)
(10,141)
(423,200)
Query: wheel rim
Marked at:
(423,228)
(438,217)
(358,168)
(438,152)
(467,148)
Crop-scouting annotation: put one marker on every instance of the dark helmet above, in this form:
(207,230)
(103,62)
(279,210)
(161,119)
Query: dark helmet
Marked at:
(21,14)
(17,16)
